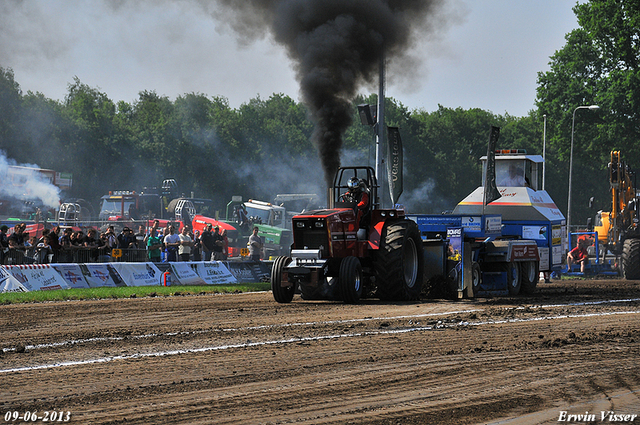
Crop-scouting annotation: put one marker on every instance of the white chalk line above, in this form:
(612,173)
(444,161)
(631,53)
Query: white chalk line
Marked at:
(280,325)
(249,328)
(302,339)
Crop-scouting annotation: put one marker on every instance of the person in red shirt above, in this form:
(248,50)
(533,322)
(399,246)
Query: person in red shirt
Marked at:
(578,255)
(357,193)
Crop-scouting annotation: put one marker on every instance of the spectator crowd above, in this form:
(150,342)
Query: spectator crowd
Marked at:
(158,244)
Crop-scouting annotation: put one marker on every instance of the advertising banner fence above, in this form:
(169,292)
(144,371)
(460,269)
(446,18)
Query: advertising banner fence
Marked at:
(214,273)
(184,274)
(98,275)
(139,274)
(71,274)
(38,277)
(8,283)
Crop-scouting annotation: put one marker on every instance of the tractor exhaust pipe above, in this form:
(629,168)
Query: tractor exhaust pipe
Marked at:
(330,198)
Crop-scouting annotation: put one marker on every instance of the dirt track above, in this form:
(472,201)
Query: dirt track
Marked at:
(240,359)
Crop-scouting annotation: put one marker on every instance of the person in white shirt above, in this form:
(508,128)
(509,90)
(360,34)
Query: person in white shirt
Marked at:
(184,249)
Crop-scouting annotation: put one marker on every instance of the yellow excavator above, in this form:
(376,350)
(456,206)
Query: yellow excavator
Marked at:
(618,229)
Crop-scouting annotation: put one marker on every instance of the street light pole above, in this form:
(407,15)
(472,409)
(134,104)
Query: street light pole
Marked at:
(573,122)
(544,150)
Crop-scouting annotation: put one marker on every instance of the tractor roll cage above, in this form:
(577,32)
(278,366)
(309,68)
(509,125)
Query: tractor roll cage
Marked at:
(342,176)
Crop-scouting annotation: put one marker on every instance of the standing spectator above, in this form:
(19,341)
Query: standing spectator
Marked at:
(30,244)
(184,249)
(112,239)
(207,243)
(65,240)
(4,242)
(90,242)
(43,251)
(30,241)
(255,245)
(217,244)
(141,236)
(104,252)
(152,232)
(171,243)
(126,239)
(54,242)
(154,243)
(65,255)
(225,245)
(127,242)
(76,237)
(45,232)
(165,233)
(197,247)
(16,239)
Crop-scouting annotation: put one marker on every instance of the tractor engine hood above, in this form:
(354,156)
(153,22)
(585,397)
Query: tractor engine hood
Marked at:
(325,213)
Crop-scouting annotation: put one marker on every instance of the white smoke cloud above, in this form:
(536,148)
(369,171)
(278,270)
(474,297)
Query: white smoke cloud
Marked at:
(23,182)
(423,199)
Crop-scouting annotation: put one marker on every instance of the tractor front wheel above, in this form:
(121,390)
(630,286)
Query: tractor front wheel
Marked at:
(350,280)
(282,294)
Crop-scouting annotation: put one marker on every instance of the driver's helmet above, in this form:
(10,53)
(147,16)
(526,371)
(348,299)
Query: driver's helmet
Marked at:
(354,184)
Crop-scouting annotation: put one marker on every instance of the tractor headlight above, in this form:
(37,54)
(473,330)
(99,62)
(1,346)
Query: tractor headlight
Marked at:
(299,224)
(319,224)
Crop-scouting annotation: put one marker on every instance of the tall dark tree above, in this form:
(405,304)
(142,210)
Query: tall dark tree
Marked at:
(597,65)
(10,109)
(90,140)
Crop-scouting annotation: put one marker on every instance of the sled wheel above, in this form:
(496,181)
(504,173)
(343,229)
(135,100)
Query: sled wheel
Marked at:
(530,273)
(513,278)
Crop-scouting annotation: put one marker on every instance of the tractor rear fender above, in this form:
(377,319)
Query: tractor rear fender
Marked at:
(378,220)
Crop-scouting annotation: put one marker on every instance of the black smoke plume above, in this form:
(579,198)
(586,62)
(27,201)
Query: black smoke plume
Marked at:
(336,46)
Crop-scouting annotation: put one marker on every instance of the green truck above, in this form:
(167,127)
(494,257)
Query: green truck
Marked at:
(273,219)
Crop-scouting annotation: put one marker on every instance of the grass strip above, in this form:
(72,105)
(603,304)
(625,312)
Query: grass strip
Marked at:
(127,292)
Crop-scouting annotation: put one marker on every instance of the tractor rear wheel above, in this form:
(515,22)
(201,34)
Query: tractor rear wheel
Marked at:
(530,273)
(399,262)
(350,280)
(631,259)
(282,294)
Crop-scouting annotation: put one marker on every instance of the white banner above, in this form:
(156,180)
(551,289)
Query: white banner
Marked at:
(98,275)
(183,274)
(139,274)
(8,283)
(214,272)
(72,275)
(38,277)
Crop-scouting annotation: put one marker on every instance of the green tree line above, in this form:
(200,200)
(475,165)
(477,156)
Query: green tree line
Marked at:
(263,147)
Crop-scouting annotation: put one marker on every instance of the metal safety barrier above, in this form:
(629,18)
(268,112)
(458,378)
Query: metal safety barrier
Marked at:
(20,256)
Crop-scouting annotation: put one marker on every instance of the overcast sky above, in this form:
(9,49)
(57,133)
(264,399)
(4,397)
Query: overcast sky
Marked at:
(488,57)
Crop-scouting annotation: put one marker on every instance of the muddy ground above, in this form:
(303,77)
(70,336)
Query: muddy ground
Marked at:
(573,347)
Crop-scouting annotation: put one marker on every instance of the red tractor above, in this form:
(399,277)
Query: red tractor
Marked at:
(348,251)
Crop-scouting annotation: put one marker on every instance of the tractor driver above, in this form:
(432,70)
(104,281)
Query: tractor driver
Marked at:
(359,194)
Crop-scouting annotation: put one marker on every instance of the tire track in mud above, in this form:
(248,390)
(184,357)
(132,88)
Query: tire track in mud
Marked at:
(429,362)
(234,344)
